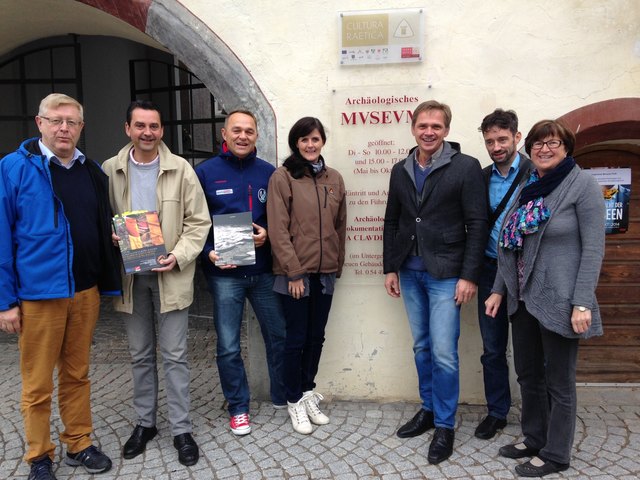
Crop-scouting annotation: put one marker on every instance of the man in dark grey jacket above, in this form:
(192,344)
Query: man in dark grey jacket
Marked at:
(508,170)
(435,232)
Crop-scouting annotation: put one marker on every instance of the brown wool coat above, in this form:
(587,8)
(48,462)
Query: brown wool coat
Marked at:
(307,222)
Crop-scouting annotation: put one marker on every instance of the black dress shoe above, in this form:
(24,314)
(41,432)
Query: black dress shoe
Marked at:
(420,423)
(188,453)
(511,451)
(547,467)
(489,426)
(138,441)
(441,446)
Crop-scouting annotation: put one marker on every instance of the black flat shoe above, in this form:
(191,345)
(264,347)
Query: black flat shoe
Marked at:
(188,453)
(420,423)
(547,467)
(489,426)
(138,441)
(510,451)
(441,446)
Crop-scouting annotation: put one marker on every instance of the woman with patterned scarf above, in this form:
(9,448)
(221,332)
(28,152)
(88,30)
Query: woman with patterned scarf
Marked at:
(551,250)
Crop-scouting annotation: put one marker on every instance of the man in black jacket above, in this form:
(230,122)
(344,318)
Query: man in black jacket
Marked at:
(435,232)
(509,168)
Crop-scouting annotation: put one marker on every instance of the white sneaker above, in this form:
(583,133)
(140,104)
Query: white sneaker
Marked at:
(299,418)
(311,402)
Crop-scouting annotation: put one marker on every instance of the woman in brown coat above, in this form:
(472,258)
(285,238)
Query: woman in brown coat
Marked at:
(306,210)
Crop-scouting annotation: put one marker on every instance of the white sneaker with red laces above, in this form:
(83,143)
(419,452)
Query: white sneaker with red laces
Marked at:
(240,424)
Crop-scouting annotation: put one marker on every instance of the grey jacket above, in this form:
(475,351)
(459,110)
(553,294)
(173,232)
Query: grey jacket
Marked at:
(562,259)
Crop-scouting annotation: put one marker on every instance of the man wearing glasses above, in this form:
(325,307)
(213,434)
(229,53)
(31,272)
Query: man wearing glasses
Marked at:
(56,257)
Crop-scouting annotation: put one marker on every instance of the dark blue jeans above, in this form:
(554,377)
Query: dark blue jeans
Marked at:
(229,294)
(306,320)
(495,337)
(546,366)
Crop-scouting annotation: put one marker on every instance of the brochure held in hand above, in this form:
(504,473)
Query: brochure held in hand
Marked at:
(141,242)
(233,239)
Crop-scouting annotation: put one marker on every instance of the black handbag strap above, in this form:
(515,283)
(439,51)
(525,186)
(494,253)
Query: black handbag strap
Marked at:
(503,203)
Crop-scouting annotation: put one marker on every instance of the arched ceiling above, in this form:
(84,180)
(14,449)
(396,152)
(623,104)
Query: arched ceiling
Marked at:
(24,21)
(168,26)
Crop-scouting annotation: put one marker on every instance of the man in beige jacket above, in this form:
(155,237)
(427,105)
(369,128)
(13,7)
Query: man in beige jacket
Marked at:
(145,175)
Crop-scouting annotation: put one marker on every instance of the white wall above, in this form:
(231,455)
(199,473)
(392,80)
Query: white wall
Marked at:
(541,58)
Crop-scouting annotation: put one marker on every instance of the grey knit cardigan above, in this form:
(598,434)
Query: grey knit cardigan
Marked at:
(562,259)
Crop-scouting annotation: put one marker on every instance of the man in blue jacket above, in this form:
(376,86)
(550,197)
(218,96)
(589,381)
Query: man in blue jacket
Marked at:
(55,256)
(435,230)
(236,181)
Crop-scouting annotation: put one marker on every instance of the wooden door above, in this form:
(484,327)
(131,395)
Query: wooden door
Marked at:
(615,357)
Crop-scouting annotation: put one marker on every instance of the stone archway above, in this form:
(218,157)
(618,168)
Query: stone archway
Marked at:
(204,53)
(608,135)
(615,119)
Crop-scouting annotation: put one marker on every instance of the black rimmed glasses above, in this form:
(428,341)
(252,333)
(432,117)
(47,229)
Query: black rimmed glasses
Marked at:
(57,122)
(552,144)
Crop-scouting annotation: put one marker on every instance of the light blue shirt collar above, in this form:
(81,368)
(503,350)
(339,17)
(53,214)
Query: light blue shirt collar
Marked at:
(498,188)
(77,155)
(514,166)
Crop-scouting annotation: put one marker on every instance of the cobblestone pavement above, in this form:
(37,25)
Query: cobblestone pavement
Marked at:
(359,443)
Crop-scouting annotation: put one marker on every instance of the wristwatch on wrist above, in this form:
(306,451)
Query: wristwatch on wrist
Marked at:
(580,308)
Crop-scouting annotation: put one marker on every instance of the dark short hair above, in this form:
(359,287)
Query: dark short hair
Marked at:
(503,119)
(144,105)
(302,128)
(244,112)
(549,128)
(432,105)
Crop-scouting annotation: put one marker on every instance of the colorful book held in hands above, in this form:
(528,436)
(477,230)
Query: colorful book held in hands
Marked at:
(141,242)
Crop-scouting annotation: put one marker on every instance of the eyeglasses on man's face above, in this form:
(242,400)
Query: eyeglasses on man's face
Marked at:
(552,144)
(57,122)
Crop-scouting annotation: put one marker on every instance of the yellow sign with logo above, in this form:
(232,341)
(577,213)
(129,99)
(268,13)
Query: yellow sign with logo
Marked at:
(365,30)
(381,36)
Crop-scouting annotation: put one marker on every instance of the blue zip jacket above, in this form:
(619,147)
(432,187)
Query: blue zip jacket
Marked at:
(36,251)
(234,185)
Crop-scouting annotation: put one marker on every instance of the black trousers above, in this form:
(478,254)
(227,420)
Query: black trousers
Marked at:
(545,364)
(306,320)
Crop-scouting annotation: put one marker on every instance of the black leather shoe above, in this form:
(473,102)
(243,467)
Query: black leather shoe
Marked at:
(420,423)
(546,467)
(138,441)
(188,453)
(441,446)
(511,451)
(489,426)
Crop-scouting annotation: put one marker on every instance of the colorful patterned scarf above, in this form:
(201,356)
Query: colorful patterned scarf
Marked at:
(532,211)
